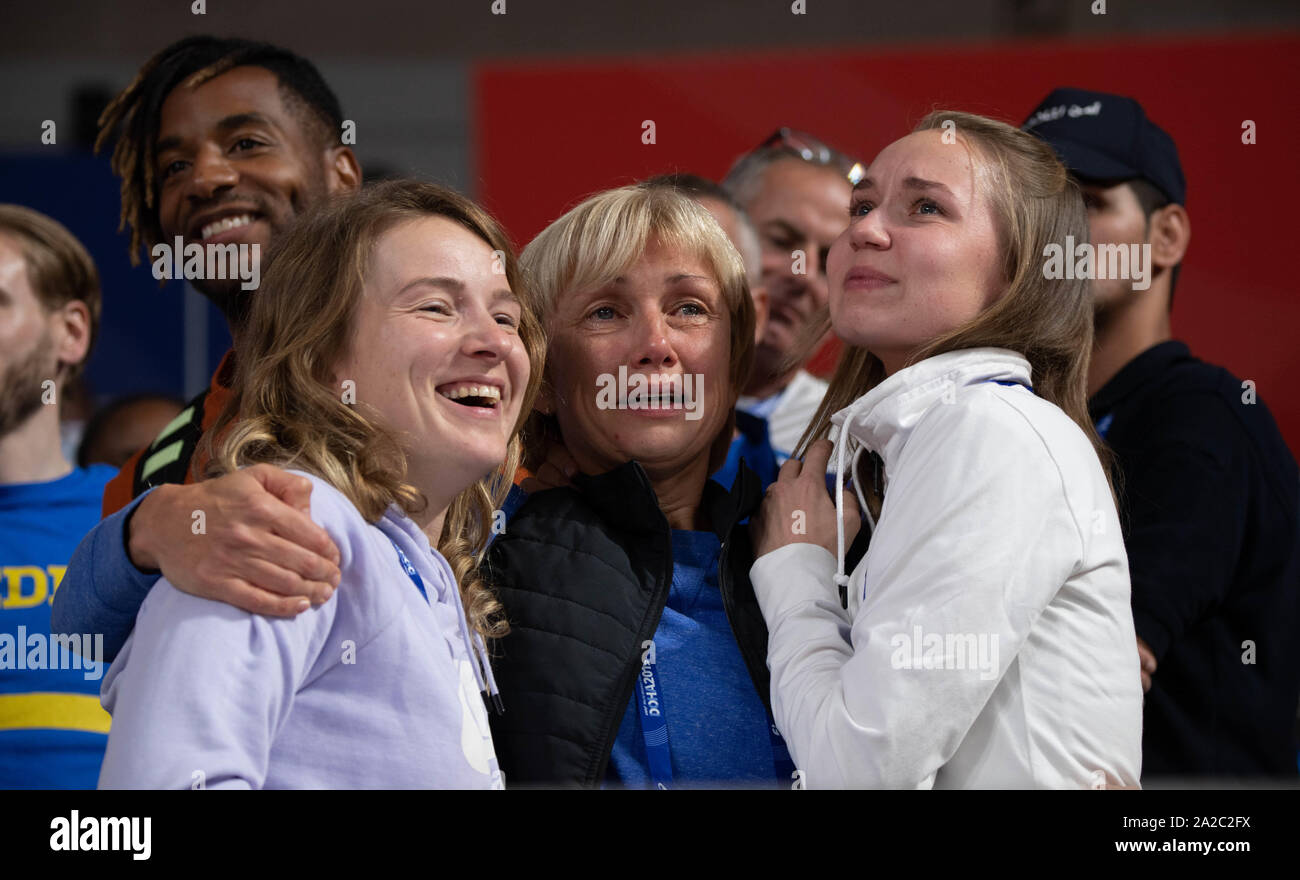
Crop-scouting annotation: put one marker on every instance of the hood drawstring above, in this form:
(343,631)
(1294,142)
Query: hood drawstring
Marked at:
(476,652)
(497,705)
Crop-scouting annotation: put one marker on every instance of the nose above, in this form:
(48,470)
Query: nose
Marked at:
(487,340)
(653,349)
(212,172)
(869,231)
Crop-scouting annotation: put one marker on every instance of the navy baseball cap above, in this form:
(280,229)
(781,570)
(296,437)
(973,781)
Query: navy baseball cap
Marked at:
(1104,137)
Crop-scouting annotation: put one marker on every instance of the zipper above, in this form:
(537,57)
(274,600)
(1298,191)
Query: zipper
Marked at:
(651,623)
(726,586)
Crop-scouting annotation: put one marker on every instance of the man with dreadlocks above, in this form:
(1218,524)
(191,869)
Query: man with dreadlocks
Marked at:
(218,141)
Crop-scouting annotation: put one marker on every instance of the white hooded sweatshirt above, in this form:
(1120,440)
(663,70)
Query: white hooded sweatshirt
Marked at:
(988,640)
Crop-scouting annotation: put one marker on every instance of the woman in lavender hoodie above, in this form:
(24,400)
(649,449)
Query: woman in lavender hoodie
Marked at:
(388,357)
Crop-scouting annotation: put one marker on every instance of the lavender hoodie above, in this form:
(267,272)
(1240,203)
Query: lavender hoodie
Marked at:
(376,688)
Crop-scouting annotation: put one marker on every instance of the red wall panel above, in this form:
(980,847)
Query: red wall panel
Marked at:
(549,133)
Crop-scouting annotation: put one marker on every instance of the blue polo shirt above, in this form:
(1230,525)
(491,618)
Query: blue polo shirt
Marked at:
(717,726)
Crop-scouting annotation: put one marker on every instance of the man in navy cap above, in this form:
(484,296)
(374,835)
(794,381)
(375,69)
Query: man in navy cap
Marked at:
(1210,494)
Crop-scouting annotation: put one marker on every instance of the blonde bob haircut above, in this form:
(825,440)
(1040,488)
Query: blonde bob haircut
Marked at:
(286,408)
(601,238)
(1048,322)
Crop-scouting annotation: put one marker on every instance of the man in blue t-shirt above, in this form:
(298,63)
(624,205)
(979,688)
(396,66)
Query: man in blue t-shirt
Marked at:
(52,728)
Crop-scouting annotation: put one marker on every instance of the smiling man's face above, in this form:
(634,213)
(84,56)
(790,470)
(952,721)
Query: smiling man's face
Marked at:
(235,163)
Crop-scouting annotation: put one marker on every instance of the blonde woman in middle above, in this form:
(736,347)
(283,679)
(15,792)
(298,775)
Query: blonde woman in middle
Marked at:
(636,656)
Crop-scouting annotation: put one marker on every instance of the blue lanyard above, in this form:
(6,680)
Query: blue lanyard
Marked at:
(1103,424)
(410,571)
(1009,382)
(654,730)
(654,726)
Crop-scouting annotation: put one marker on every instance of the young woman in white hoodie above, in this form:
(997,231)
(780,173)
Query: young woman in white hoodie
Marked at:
(985,639)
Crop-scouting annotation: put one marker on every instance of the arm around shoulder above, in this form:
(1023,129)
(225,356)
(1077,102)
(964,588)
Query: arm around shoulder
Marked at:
(102,591)
(202,689)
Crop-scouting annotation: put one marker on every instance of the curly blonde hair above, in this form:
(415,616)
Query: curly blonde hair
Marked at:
(285,409)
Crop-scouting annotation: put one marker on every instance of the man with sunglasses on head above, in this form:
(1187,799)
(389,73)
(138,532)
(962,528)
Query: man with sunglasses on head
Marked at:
(796,191)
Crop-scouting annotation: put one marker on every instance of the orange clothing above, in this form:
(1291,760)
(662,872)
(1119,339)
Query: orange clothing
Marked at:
(120,491)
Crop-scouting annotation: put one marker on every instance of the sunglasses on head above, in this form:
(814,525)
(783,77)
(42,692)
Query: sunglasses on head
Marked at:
(810,149)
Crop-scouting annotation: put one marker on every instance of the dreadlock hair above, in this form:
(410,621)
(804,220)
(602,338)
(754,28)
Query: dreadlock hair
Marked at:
(132,117)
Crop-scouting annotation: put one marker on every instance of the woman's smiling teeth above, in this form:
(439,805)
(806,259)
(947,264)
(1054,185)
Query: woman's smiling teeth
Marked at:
(225,223)
(473,395)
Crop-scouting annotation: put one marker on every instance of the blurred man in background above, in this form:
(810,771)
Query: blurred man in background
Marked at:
(123,427)
(1210,494)
(52,729)
(796,191)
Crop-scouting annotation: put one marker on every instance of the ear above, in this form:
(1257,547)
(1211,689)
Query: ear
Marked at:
(342,170)
(72,332)
(1170,233)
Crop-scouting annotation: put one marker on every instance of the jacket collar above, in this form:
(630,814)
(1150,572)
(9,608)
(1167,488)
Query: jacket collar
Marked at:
(400,528)
(884,417)
(622,496)
(728,508)
(1136,373)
